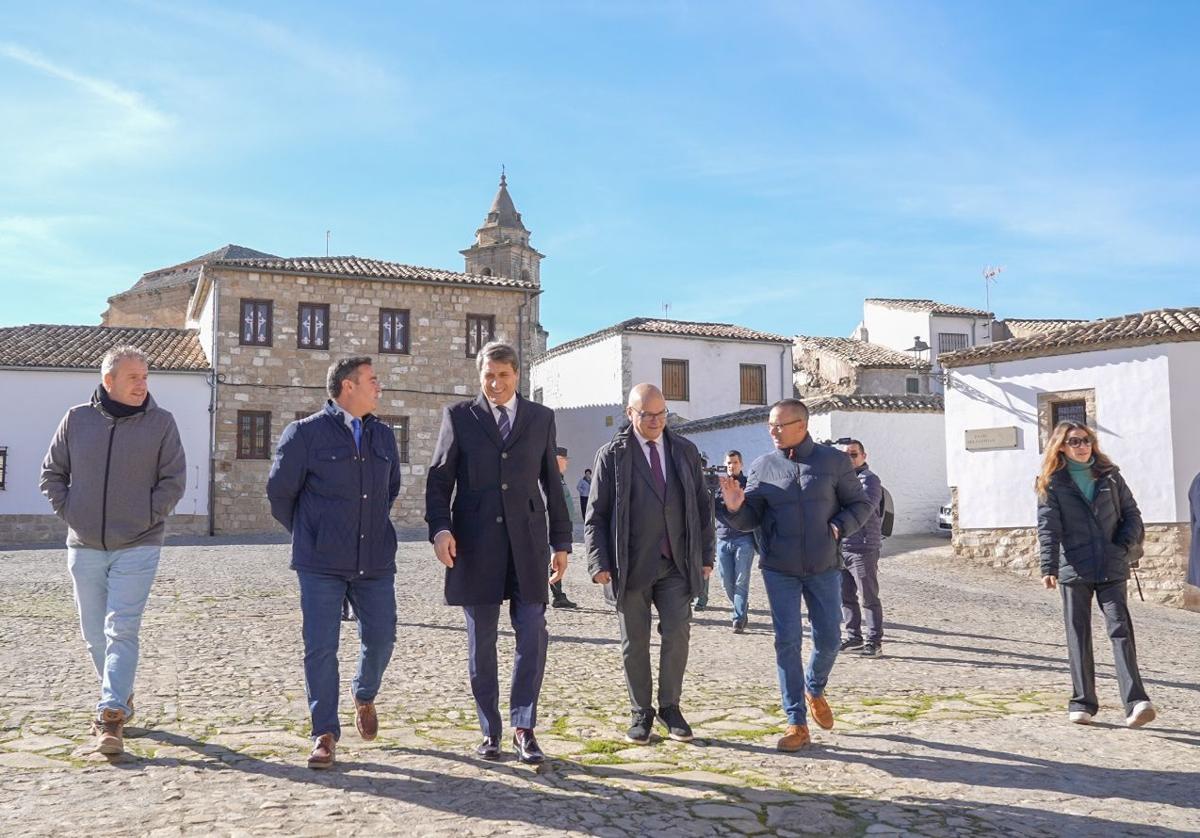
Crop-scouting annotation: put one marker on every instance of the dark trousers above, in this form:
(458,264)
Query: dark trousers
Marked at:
(862,574)
(321,599)
(529,664)
(583,507)
(670,597)
(1077,613)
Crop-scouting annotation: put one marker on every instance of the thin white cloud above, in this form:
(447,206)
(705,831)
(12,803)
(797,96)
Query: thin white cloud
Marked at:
(131,102)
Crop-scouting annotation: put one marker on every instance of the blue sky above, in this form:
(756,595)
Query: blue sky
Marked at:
(769,164)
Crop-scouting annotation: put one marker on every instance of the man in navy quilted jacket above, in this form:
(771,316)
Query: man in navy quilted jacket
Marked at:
(335,477)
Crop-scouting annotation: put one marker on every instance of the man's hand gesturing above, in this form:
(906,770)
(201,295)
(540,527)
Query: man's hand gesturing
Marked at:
(732,493)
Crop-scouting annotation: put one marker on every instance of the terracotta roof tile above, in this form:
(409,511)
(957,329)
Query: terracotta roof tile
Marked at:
(929,306)
(358,268)
(186,273)
(662,326)
(1017,327)
(886,403)
(82,347)
(1164,325)
(860,353)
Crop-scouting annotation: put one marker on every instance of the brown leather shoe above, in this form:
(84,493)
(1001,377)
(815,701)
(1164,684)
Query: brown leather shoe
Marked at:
(322,752)
(365,719)
(794,738)
(110,732)
(820,710)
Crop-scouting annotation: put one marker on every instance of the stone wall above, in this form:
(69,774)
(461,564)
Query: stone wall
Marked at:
(165,309)
(285,380)
(18,530)
(1162,570)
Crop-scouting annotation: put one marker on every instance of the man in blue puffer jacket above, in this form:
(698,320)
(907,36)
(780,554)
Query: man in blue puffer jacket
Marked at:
(332,484)
(802,498)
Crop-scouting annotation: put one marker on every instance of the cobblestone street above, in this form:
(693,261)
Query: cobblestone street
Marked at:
(960,729)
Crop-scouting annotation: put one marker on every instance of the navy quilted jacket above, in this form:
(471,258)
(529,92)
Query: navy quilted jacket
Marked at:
(334,500)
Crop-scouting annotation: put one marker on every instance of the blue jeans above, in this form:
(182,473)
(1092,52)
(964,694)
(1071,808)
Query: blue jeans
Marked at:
(374,602)
(822,594)
(734,560)
(111,589)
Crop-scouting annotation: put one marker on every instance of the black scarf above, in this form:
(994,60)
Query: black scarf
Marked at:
(116,409)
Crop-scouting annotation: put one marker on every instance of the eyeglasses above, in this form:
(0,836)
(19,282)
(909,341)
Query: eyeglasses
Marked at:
(661,416)
(779,426)
(1078,442)
(854,455)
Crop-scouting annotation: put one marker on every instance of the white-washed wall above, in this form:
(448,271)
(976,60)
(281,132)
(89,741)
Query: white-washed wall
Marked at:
(589,375)
(1134,411)
(38,400)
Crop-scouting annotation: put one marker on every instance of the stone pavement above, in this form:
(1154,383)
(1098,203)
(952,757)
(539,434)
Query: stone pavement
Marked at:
(961,729)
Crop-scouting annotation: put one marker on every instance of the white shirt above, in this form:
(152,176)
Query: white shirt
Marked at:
(510,407)
(660,443)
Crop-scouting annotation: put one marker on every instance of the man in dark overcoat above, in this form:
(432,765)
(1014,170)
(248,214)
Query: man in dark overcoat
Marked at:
(649,532)
(493,483)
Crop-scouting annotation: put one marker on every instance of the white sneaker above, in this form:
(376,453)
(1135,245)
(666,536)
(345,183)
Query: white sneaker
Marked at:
(1080,717)
(1143,713)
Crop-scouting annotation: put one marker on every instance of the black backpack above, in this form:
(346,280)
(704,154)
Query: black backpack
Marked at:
(887,513)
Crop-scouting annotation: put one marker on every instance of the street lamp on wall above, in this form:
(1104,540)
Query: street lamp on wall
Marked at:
(923,363)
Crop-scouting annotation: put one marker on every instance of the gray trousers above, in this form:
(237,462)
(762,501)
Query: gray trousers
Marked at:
(862,574)
(670,597)
(1077,613)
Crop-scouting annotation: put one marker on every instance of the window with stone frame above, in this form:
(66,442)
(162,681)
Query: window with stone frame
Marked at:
(481,328)
(753,381)
(254,434)
(312,326)
(393,331)
(3,466)
(1064,406)
(256,323)
(399,426)
(675,379)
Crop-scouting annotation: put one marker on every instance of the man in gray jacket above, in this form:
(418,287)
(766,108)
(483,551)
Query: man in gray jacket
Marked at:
(649,531)
(114,472)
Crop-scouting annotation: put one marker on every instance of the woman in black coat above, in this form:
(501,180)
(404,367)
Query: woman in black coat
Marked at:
(1090,532)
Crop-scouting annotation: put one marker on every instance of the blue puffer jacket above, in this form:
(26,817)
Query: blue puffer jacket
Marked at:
(334,501)
(792,497)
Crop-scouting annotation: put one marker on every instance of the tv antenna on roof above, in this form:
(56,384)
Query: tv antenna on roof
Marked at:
(666,310)
(990,275)
(327,242)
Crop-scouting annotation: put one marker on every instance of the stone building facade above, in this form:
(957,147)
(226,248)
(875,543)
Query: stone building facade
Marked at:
(261,387)
(268,327)
(847,366)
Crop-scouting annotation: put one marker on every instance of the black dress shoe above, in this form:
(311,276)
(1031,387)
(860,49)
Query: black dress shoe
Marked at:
(639,731)
(489,748)
(676,724)
(563,602)
(528,751)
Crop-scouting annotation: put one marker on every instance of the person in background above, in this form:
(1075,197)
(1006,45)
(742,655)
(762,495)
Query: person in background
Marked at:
(1089,530)
(558,598)
(860,551)
(584,488)
(735,552)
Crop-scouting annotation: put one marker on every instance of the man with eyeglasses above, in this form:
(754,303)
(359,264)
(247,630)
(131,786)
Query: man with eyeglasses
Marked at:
(860,554)
(802,498)
(649,532)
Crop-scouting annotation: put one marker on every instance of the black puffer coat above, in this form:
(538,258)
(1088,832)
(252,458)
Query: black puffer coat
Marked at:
(1092,543)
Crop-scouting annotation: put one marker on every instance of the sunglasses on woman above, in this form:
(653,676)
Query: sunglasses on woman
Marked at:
(1078,441)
